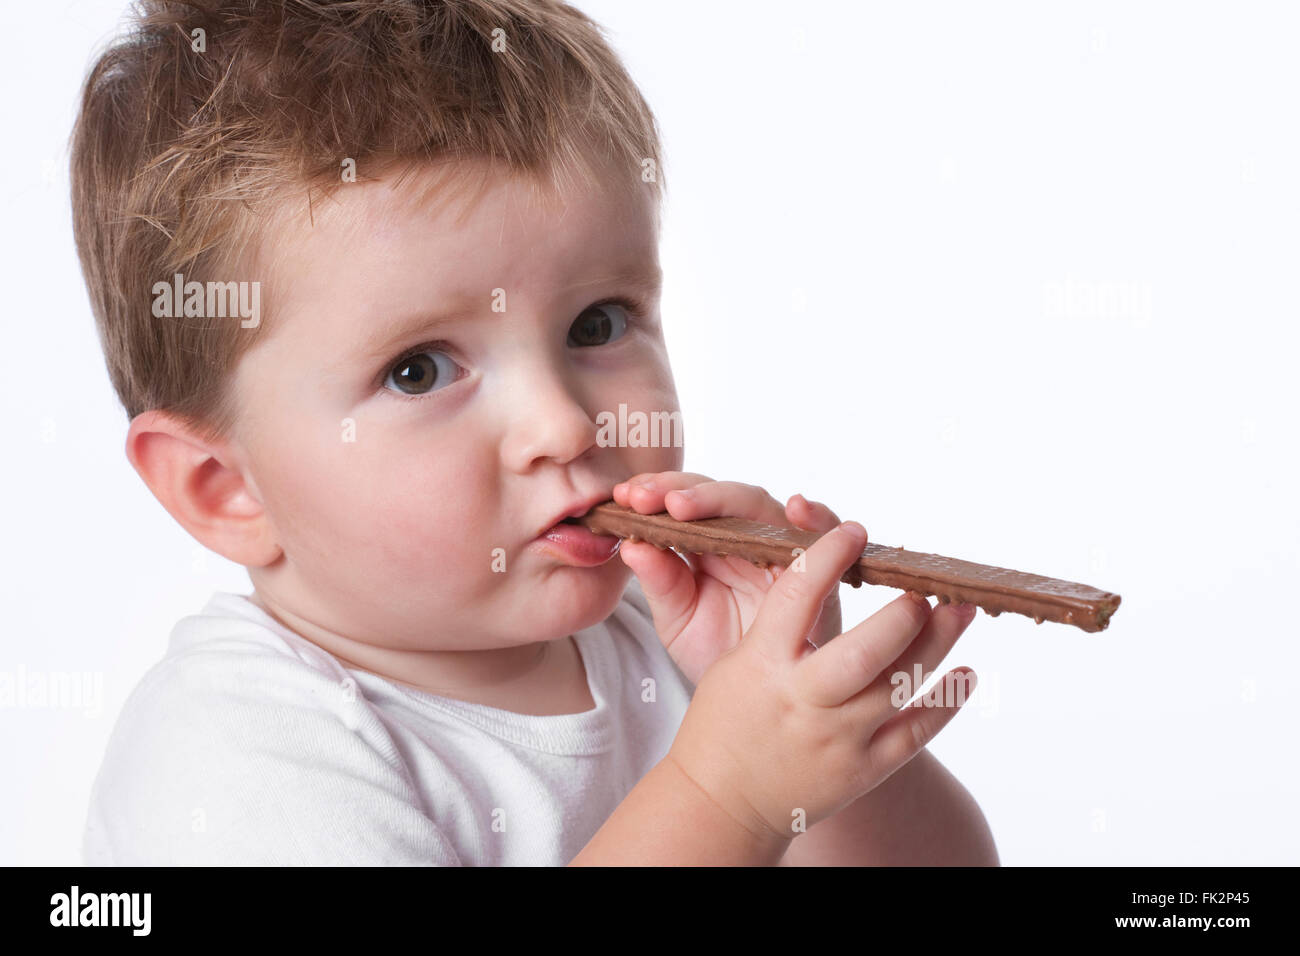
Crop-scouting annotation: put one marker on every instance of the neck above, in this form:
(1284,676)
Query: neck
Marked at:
(475,676)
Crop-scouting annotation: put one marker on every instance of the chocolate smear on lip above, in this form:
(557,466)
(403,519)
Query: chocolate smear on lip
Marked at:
(950,579)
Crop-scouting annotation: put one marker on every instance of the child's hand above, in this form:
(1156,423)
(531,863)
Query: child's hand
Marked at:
(777,732)
(703,604)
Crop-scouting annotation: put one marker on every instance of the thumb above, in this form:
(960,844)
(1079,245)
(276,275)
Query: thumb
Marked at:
(667,582)
(827,624)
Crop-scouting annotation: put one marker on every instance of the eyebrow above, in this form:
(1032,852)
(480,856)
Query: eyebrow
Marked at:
(644,279)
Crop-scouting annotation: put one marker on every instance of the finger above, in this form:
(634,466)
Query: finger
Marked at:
(809,515)
(792,604)
(667,582)
(925,654)
(903,736)
(841,668)
(644,493)
(731,499)
(941,632)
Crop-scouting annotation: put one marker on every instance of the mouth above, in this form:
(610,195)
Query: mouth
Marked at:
(571,514)
(571,542)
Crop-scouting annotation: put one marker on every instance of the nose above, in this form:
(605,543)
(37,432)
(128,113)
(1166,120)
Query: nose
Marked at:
(545,421)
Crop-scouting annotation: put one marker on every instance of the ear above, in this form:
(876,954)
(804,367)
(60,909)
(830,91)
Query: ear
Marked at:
(204,486)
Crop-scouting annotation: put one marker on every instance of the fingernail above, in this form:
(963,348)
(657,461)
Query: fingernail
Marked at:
(854,529)
(919,598)
(687,493)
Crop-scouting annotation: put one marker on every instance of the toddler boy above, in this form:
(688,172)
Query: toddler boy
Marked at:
(366,275)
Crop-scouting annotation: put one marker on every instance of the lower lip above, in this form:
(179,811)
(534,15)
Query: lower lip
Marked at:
(578,546)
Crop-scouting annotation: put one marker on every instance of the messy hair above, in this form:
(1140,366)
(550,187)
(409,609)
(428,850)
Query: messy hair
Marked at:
(207,115)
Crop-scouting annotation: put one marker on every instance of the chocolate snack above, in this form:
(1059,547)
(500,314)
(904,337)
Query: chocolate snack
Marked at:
(994,589)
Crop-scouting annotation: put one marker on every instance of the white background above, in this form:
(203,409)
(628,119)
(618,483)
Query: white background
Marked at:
(872,208)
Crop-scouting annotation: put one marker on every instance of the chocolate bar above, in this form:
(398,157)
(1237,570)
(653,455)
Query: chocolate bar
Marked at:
(994,589)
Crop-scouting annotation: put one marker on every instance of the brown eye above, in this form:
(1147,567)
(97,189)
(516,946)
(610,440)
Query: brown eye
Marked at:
(598,325)
(420,374)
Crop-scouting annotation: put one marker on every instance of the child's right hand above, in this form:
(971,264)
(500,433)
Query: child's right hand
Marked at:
(776,727)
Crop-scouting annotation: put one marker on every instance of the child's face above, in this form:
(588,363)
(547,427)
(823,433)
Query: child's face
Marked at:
(389,496)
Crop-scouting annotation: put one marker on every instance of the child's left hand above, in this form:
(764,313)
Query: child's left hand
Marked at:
(704,603)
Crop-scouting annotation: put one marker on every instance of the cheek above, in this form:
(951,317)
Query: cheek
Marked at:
(652,459)
(389,514)
(652,391)
(426,514)
(418,538)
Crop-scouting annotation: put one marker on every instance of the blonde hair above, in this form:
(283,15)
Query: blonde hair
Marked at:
(208,115)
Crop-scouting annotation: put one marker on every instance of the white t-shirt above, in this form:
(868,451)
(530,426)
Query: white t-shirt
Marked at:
(247,744)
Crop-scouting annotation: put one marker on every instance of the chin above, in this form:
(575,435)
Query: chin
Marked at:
(577,598)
